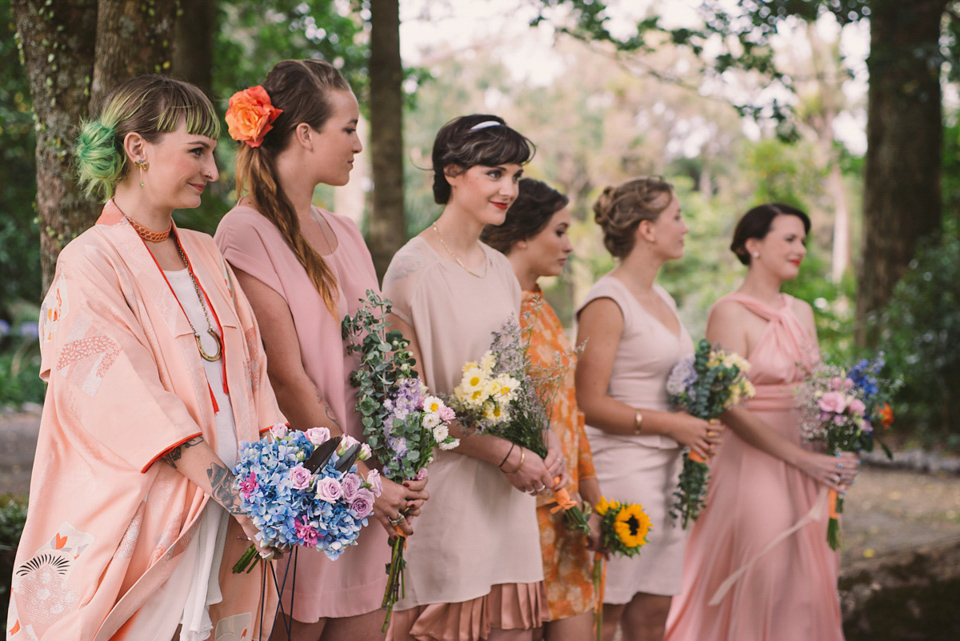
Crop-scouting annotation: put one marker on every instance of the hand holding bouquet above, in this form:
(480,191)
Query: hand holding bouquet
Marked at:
(840,408)
(402,423)
(303,488)
(705,384)
(502,395)
(623,531)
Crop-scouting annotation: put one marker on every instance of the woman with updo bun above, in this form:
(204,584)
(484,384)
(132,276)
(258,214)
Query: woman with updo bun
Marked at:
(304,269)
(758,565)
(155,372)
(473,567)
(632,338)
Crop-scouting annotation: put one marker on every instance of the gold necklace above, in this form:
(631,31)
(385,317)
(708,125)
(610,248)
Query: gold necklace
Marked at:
(465,268)
(212,358)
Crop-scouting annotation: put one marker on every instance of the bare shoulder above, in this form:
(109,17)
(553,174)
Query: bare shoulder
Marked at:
(804,313)
(727,311)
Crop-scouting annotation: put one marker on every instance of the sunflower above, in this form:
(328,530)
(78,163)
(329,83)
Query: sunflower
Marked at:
(631,526)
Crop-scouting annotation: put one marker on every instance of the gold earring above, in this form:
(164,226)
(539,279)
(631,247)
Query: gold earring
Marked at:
(141,165)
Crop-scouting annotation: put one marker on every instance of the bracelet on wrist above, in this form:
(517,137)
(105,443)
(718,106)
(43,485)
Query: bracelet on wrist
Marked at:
(523,455)
(512,445)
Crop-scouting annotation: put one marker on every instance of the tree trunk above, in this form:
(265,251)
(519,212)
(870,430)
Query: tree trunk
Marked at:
(58,41)
(193,45)
(75,51)
(387,229)
(902,201)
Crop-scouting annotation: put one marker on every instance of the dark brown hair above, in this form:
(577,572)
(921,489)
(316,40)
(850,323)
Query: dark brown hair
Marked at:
(620,209)
(301,88)
(529,214)
(756,223)
(475,140)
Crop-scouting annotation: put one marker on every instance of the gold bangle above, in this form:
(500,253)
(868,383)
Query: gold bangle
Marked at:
(637,422)
(523,454)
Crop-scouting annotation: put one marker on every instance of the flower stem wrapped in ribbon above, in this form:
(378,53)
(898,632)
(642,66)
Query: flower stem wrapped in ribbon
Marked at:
(705,385)
(402,423)
(303,488)
(840,408)
(623,531)
(250,115)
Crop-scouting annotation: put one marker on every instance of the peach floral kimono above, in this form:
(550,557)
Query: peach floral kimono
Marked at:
(107,521)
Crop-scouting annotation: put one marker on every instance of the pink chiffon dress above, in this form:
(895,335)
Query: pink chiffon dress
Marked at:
(354,583)
(758,567)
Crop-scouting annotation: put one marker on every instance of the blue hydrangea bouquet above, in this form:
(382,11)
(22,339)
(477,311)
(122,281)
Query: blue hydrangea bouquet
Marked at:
(303,488)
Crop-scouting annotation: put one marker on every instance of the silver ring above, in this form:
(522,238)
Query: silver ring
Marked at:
(400,518)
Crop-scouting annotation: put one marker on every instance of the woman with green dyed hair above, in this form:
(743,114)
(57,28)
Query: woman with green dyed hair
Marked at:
(155,373)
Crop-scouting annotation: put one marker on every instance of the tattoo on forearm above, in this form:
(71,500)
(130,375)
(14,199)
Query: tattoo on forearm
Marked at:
(221,481)
(174,455)
(330,416)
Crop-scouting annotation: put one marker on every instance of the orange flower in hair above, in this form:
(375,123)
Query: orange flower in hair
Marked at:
(250,115)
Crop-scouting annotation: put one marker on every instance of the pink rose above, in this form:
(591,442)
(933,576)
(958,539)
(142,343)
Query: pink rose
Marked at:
(300,477)
(318,435)
(376,483)
(422,474)
(350,485)
(447,414)
(279,430)
(347,442)
(328,490)
(365,452)
(836,383)
(362,504)
(833,402)
(857,408)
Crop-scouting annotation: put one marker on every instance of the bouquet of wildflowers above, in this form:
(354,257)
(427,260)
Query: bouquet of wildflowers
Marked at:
(504,396)
(840,408)
(704,384)
(303,488)
(623,530)
(402,423)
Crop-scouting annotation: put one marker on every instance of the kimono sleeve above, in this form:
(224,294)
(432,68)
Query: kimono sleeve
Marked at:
(104,374)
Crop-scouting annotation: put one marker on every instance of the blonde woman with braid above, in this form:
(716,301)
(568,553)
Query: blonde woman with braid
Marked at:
(632,338)
(303,269)
(155,372)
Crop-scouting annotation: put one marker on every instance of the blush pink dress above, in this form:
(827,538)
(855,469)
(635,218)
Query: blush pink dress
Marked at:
(641,469)
(354,583)
(758,567)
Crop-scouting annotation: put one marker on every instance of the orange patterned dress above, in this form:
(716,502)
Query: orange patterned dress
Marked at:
(567,565)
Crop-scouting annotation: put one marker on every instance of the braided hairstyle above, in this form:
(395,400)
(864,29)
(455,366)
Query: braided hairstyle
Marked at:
(301,88)
(620,209)
(149,105)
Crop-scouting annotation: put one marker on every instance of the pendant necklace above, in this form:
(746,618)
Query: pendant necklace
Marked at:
(465,268)
(212,358)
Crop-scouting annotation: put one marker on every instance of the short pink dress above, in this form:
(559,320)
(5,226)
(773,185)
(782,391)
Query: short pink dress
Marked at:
(641,469)
(354,583)
(758,567)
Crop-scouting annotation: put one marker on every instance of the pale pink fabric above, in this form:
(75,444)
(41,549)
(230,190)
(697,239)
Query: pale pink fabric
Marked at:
(477,530)
(354,583)
(513,606)
(788,591)
(108,523)
(641,469)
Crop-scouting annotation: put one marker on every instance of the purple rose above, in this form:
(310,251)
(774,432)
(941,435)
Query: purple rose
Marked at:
(300,477)
(279,430)
(349,486)
(362,504)
(422,474)
(376,483)
(328,490)
(318,435)
(347,442)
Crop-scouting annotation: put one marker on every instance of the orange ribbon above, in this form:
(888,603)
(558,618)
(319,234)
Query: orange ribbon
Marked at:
(832,502)
(564,502)
(696,458)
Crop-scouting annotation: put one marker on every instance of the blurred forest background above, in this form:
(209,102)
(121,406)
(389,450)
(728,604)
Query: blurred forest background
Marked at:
(735,103)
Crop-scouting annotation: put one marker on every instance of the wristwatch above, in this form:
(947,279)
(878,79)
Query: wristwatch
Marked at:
(637,422)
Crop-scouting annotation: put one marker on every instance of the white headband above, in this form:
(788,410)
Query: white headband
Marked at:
(485,124)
